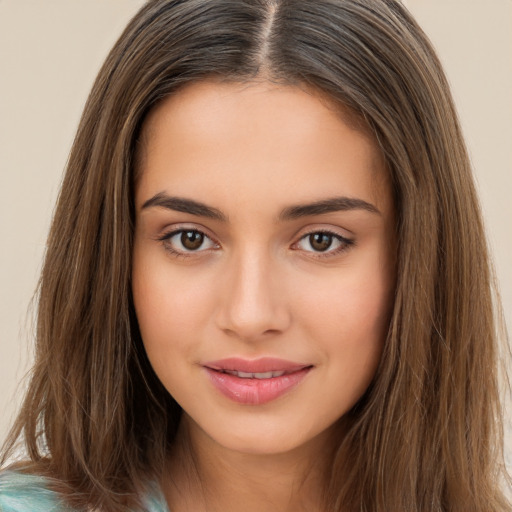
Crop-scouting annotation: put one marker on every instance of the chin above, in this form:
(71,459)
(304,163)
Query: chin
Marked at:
(270,438)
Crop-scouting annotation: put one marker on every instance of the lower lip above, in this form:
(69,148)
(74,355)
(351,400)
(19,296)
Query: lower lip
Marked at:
(255,391)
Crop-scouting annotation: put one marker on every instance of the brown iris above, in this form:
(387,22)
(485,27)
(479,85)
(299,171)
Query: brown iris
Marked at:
(320,241)
(192,240)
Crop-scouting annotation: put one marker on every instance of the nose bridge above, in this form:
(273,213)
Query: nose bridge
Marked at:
(253,304)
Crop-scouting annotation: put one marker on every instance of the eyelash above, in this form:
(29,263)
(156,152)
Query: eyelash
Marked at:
(166,237)
(345,243)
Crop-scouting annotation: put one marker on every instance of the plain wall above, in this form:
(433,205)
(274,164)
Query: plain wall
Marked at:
(50,52)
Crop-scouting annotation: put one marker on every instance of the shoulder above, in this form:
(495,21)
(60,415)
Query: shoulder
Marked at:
(21,492)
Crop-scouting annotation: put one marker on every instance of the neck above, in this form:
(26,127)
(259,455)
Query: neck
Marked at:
(204,476)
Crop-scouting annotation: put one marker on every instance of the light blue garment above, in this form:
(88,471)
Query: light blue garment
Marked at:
(20,492)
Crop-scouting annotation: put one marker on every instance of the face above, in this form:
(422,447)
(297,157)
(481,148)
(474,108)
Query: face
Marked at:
(263,263)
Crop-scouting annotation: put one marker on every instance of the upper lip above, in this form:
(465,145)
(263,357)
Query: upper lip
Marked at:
(263,365)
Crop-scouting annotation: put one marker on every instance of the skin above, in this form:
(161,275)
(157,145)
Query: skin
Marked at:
(258,286)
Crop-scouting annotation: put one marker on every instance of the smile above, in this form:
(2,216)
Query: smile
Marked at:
(248,375)
(269,379)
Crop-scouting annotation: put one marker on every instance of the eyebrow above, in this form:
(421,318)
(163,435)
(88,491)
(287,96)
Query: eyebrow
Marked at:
(334,204)
(180,204)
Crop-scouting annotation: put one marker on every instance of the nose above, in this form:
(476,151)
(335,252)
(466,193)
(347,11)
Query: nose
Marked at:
(253,304)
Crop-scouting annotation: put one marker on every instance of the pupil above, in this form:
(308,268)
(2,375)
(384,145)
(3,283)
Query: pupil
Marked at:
(192,240)
(320,241)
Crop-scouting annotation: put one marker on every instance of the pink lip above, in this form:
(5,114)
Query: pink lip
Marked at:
(253,391)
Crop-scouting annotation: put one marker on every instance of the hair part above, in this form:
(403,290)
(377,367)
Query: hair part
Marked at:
(427,434)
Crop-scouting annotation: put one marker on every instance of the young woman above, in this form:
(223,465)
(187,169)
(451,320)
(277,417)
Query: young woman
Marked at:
(266,284)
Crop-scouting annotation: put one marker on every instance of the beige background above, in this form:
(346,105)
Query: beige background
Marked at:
(50,51)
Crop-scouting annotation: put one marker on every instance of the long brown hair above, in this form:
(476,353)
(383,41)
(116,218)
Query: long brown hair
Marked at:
(427,435)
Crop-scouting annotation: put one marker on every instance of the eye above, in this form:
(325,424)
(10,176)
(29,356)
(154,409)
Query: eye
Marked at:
(323,242)
(185,241)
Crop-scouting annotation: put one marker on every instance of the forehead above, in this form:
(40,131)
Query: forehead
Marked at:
(199,100)
(252,134)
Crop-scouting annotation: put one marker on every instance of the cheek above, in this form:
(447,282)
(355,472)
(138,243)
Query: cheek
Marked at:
(352,306)
(348,319)
(171,308)
(357,329)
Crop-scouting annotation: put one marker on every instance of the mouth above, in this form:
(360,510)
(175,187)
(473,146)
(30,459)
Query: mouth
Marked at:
(255,382)
(256,375)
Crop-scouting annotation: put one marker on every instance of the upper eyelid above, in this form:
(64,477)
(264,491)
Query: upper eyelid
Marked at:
(324,229)
(170,231)
(341,238)
(328,231)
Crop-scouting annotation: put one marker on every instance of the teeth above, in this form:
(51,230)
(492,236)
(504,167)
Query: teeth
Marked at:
(261,375)
(245,375)
(266,375)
